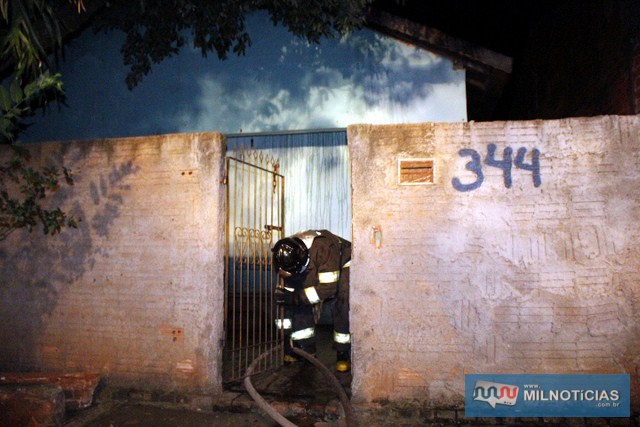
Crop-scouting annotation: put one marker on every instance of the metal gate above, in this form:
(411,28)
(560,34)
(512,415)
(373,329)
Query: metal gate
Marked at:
(254,222)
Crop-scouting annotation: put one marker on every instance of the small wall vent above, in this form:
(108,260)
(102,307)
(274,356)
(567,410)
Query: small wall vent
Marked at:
(415,171)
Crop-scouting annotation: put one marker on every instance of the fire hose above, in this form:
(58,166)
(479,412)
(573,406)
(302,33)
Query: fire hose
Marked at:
(279,418)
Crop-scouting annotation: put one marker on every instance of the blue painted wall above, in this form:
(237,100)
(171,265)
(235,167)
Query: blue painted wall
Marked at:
(281,84)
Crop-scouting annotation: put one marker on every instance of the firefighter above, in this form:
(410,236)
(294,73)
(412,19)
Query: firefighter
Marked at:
(315,268)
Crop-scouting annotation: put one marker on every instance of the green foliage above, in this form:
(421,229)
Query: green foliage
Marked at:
(17,103)
(29,30)
(22,189)
(157,30)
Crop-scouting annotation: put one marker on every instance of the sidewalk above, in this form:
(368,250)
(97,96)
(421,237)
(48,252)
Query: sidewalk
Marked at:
(300,393)
(154,414)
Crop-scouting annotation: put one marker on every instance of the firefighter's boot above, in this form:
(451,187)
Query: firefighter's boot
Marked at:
(343,361)
(289,356)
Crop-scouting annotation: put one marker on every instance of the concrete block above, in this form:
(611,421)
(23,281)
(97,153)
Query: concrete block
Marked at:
(78,387)
(40,405)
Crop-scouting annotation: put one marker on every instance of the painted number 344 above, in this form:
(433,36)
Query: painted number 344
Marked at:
(506,164)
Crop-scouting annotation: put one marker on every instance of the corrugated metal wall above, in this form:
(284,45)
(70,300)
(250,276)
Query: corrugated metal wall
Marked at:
(317,174)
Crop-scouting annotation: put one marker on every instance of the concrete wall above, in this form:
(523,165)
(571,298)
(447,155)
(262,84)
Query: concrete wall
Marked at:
(467,275)
(136,292)
(496,279)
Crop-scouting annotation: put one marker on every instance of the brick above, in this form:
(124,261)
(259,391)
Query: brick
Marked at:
(78,388)
(32,405)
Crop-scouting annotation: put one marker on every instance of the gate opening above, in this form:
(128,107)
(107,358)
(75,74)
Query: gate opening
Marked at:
(316,168)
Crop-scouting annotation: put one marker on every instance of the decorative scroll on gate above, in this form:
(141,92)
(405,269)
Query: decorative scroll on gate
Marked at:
(254,222)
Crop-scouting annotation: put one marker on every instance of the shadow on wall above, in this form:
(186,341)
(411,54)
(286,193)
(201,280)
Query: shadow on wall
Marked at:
(107,192)
(37,270)
(282,83)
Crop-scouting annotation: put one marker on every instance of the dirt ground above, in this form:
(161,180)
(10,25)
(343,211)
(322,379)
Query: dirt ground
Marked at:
(299,392)
(149,415)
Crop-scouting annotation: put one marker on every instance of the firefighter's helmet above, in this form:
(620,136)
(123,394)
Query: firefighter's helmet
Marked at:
(290,254)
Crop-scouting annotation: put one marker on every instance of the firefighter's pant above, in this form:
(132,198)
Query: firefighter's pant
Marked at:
(303,321)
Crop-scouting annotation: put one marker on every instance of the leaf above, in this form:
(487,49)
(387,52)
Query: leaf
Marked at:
(16,92)
(4,9)
(5,127)
(5,99)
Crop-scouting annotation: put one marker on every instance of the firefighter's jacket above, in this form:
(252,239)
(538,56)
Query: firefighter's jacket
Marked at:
(328,255)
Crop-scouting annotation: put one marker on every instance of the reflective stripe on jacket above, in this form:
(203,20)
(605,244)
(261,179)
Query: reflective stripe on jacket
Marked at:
(303,334)
(328,255)
(341,338)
